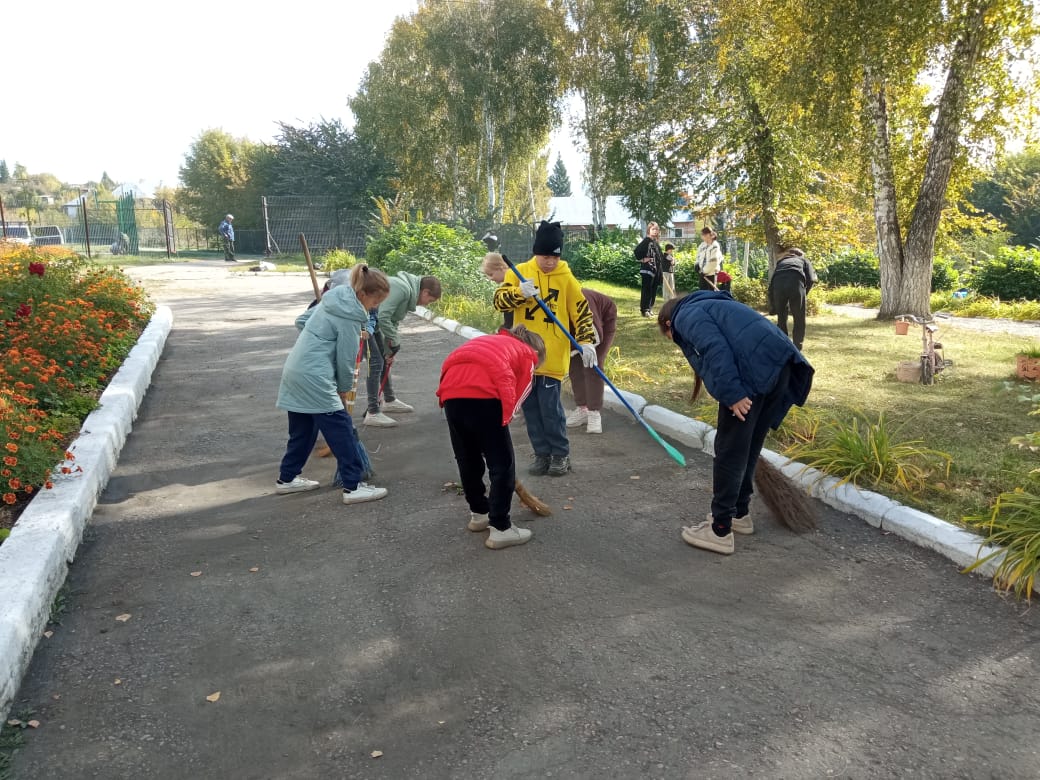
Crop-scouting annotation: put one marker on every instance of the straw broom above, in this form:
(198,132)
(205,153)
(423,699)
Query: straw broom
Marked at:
(788,502)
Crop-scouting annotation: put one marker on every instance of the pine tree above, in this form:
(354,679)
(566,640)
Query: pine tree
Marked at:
(559,182)
(5,175)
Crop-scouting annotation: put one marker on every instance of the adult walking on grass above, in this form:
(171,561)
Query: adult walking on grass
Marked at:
(483,383)
(317,376)
(756,375)
(586,384)
(227,237)
(549,278)
(651,261)
(406,292)
(789,286)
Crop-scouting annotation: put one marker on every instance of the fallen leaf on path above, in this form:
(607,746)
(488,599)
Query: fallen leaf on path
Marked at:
(255,569)
(213,696)
(33,724)
(14,722)
(634,476)
(567,506)
(123,618)
(48,634)
(196,574)
(377,753)
(441,722)
(117,682)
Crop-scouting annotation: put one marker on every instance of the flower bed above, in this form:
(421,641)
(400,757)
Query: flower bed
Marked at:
(67,326)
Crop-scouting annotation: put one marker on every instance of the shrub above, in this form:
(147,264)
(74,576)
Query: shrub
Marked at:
(944,275)
(1013,525)
(608,259)
(869,453)
(856,268)
(428,248)
(67,326)
(1013,275)
(335,259)
(865,296)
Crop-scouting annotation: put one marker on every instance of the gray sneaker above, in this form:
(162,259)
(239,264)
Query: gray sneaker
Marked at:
(540,467)
(559,465)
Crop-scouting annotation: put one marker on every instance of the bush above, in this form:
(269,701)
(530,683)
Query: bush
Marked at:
(608,259)
(67,327)
(335,259)
(855,268)
(944,275)
(1013,275)
(430,249)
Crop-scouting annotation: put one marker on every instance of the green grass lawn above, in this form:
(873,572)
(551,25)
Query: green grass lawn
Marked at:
(969,412)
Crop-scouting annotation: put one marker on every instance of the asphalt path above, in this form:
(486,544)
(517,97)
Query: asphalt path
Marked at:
(384,641)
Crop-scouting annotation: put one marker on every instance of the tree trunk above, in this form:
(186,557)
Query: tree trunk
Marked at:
(886,217)
(924,222)
(765,153)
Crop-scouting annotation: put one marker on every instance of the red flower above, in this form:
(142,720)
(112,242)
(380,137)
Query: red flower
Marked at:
(23,311)
(37,268)
(10,498)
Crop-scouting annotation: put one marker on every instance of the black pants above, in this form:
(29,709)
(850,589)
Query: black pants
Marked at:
(789,296)
(478,438)
(737,447)
(648,294)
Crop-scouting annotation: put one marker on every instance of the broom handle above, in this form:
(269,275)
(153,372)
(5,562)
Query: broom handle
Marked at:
(674,453)
(310,266)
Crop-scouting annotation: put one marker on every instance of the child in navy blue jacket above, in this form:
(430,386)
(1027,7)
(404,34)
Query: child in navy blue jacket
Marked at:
(756,374)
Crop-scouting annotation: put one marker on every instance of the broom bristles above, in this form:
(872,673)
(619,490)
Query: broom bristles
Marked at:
(532,502)
(788,502)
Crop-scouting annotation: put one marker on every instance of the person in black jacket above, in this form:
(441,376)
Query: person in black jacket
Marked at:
(651,261)
(756,375)
(792,279)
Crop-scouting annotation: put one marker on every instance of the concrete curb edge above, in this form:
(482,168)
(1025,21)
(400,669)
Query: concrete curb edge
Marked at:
(34,559)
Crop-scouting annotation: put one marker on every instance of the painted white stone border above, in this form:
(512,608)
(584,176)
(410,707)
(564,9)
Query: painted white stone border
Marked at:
(959,545)
(34,559)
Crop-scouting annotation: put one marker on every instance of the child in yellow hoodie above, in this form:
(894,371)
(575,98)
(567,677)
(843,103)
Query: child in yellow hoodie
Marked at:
(549,278)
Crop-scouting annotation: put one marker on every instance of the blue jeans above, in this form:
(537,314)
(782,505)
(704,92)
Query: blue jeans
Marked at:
(338,430)
(546,423)
(377,370)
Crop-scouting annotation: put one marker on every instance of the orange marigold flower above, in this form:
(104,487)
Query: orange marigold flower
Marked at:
(28,488)
(66,470)
(30,429)
(10,498)
(69,455)
(11,447)
(48,484)
(16,484)
(10,460)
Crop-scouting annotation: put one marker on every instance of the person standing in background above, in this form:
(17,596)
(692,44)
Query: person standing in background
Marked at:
(709,259)
(668,272)
(227,236)
(651,258)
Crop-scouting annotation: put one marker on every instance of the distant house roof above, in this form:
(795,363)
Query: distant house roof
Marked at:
(577,210)
(136,190)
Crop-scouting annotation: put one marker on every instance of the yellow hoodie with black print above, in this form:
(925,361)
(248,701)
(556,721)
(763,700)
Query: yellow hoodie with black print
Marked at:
(562,294)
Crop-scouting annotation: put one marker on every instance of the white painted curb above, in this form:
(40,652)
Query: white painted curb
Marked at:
(959,545)
(34,559)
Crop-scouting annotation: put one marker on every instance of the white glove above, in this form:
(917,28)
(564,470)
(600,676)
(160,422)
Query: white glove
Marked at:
(588,356)
(528,288)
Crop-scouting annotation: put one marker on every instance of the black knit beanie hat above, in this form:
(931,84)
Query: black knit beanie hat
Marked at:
(548,240)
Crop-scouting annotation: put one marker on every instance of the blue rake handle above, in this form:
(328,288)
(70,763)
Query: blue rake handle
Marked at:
(674,453)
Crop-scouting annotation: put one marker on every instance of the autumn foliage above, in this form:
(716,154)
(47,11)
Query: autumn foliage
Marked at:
(65,327)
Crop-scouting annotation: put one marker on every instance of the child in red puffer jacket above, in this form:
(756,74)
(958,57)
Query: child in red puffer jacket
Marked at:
(483,382)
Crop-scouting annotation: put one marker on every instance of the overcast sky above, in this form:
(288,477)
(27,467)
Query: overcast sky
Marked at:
(125,87)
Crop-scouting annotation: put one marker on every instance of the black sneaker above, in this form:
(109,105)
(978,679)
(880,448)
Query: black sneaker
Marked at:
(559,465)
(540,467)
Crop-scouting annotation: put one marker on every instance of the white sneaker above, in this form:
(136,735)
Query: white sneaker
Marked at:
(595,423)
(379,420)
(577,417)
(298,485)
(511,536)
(702,536)
(363,492)
(740,525)
(477,522)
(397,405)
